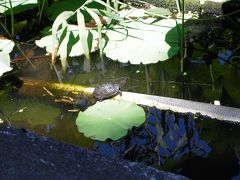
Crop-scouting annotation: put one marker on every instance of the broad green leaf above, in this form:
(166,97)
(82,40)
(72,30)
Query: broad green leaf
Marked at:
(6,47)
(18,6)
(158,11)
(66,5)
(109,119)
(145,41)
(4,63)
(72,5)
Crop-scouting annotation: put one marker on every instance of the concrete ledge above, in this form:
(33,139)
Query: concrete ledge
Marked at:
(24,155)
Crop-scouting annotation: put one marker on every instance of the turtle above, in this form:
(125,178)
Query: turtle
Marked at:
(105,91)
(108,90)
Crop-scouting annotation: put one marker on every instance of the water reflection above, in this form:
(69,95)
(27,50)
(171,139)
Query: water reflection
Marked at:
(165,135)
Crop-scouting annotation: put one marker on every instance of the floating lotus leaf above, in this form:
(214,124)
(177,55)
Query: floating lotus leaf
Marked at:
(145,41)
(109,119)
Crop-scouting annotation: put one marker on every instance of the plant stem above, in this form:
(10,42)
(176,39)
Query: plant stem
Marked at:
(12,18)
(41,11)
(178,6)
(147,79)
(212,78)
(182,39)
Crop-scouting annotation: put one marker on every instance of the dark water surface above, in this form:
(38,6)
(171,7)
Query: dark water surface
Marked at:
(190,145)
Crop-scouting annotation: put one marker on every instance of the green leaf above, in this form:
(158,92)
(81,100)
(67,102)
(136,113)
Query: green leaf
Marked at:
(83,34)
(17,6)
(60,6)
(60,20)
(4,63)
(145,41)
(158,11)
(72,5)
(109,119)
(6,47)
(106,5)
(71,42)
(109,15)
(99,25)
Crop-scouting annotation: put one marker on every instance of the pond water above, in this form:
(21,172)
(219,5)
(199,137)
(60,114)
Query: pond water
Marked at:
(187,144)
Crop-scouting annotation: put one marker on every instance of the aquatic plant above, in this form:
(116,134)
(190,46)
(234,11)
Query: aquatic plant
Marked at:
(109,119)
(9,7)
(6,47)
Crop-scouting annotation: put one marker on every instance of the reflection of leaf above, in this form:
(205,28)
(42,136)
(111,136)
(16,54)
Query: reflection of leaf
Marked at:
(176,135)
(109,119)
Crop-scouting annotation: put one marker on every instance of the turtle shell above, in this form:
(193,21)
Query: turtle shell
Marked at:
(105,91)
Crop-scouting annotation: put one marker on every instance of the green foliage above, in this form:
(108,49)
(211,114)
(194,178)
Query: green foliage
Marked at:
(135,36)
(62,33)
(158,11)
(6,47)
(146,41)
(70,41)
(17,6)
(109,119)
(72,5)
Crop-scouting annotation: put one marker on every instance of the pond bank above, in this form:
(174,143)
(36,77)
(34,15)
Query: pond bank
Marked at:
(24,155)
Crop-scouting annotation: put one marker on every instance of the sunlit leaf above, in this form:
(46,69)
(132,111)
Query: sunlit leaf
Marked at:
(99,25)
(60,20)
(6,47)
(83,34)
(71,43)
(145,41)
(158,11)
(4,63)
(109,119)
(17,6)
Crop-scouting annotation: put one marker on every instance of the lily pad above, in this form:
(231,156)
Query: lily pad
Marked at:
(144,41)
(109,119)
